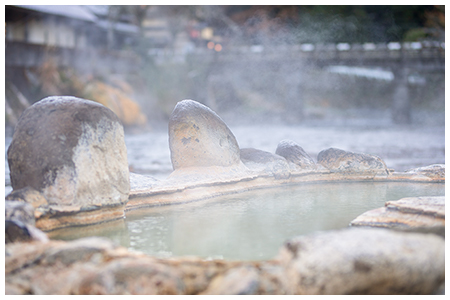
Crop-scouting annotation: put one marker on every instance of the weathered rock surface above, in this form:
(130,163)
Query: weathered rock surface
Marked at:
(29,195)
(199,138)
(72,151)
(20,223)
(297,158)
(350,261)
(265,162)
(337,160)
(364,261)
(426,214)
(436,172)
(19,211)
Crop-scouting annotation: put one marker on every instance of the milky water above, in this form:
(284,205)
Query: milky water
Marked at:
(253,225)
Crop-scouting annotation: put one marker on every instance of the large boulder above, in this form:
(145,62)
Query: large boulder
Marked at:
(72,151)
(364,261)
(199,138)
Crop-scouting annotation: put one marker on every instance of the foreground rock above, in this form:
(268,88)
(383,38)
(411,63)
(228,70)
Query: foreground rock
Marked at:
(348,261)
(364,261)
(423,214)
(73,152)
(20,223)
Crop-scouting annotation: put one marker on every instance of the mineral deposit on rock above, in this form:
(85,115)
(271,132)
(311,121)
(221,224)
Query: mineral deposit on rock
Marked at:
(71,150)
(199,138)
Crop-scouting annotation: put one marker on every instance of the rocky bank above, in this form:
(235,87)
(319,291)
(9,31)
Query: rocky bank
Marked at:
(69,168)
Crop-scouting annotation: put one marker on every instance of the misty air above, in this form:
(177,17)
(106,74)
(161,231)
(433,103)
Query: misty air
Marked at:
(207,150)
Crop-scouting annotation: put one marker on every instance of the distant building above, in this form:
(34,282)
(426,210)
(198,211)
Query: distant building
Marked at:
(66,26)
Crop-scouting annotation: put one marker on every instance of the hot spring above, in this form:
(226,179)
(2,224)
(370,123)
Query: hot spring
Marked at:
(250,225)
(254,224)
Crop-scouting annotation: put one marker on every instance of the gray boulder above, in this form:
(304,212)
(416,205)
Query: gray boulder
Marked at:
(295,155)
(72,151)
(365,261)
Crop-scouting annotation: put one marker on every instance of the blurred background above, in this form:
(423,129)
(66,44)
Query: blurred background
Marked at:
(364,78)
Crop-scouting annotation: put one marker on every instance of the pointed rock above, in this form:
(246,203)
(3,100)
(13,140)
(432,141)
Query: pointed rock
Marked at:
(199,138)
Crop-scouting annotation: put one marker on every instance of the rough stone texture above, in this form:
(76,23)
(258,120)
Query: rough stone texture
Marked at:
(140,182)
(132,276)
(337,160)
(432,206)
(365,261)
(73,151)
(436,172)
(199,138)
(265,162)
(29,195)
(238,281)
(427,214)
(350,261)
(295,155)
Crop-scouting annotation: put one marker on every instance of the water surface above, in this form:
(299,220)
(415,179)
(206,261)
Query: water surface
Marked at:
(251,225)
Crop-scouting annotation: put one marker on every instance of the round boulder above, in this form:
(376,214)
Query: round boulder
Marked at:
(199,138)
(72,151)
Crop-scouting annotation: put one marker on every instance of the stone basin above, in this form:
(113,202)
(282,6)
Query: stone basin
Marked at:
(76,191)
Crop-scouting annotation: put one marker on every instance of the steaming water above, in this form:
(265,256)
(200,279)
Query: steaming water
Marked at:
(251,225)
(401,147)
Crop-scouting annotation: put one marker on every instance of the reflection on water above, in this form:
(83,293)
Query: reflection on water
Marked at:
(251,225)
